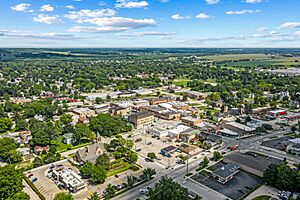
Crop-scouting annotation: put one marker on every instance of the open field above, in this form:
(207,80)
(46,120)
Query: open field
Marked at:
(230,57)
(279,61)
(181,82)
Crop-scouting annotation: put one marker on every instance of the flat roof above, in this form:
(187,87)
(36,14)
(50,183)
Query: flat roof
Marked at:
(169,148)
(226,170)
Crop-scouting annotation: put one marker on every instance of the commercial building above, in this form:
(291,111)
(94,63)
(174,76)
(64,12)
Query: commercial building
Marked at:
(84,111)
(167,151)
(237,130)
(276,113)
(196,95)
(69,179)
(191,121)
(251,162)
(141,119)
(226,172)
(156,101)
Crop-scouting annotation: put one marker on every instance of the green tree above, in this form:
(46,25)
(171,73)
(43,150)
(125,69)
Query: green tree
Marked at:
(166,188)
(94,196)
(82,132)
(8,150)
(151,155)
(66,119)
(63,196)
(98,174)
(10,181)
(148,173)
(110,191)
(217,156)
(20,196)
(103,160)
(5,124)
(205,161)
(130,181)
(21,125)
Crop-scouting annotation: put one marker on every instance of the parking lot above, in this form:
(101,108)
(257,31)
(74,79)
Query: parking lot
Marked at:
(240,185)
(273,143)
(46,186)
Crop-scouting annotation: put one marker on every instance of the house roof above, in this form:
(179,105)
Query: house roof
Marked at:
(226,170)
(89,153)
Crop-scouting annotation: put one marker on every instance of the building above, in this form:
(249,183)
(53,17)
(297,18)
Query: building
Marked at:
(251,162)
(156,101)
(118,110)
(196,95)
(68,138)
(226,172)
(167,151)
(184,132)
(162,112)
(276,113)
(140,102)
(89,153)
(188,149)
(40,149)
(68,178)
(143,91)
(191,121)
(237,130)
(84,111)
(254,124)
(141,119)
(102,108)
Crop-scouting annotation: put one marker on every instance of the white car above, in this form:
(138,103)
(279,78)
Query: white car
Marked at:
(143,191)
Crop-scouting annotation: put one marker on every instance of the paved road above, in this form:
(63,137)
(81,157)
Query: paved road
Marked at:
(176,174)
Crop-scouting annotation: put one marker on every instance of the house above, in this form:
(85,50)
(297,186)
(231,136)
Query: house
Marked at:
(251,162)
(141,119)
(188,149)
(72,181)
(167,151)
(40,149)
(68,138)
(226,172)
(89,153)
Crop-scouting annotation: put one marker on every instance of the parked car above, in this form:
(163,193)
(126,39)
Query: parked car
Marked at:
(30,175)
(143,191)
(138,150)
(149,143)
(34,180)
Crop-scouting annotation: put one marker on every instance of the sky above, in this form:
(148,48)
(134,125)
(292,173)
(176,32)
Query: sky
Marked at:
(150,23)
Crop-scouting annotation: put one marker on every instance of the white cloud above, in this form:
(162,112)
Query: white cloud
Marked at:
(241,12)
(23,7)
(121,22)
(202,16)
(177,16)
(47,8)
(70,7)
(88,29)
(290,25)
(262,29)
(131,4)
(25,34)
(297,33)
(149,33)
(47,19)
(78,16)
(253,1)
(212,1)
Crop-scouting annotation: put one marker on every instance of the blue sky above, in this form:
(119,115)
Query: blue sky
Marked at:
(150,23)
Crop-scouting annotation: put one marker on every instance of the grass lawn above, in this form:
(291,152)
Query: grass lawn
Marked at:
(122,167)
(263,197)
(61,146)
(181,82)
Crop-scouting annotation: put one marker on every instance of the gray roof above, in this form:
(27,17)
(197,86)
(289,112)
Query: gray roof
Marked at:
(257,162)
(226,170)
(90,153)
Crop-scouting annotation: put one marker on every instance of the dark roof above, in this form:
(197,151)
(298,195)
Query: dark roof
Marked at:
(141,115)
(226,170)
(257,162)
(169,149)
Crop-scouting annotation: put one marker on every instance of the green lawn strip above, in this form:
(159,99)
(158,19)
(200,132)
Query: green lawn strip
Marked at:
(263,197)
(125,166)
